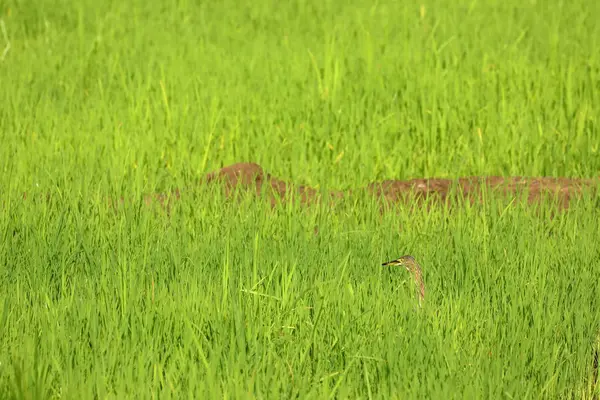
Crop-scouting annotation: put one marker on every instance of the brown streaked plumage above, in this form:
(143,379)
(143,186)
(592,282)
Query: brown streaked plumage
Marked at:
(414,268)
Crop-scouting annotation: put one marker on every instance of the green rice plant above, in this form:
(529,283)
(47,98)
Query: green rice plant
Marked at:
(248,301)
(220,298)
(326,93)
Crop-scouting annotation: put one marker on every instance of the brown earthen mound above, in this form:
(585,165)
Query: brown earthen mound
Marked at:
(251,177)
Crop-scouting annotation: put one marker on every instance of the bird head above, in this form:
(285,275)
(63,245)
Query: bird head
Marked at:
(405,261)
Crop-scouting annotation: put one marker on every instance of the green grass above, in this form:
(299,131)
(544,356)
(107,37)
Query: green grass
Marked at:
(235,302)
(102,100)
(464,88)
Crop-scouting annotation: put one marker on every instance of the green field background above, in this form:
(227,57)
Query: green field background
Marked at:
(325,92)
(216,299)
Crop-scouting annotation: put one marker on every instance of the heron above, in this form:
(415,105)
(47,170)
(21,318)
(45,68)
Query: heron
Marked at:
(413,267)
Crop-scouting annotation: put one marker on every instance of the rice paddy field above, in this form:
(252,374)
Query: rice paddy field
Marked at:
(221,298)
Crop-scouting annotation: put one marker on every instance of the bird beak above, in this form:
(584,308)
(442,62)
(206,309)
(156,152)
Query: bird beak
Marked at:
(385,264)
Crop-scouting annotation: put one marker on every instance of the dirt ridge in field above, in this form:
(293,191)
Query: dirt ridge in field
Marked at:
(251,177)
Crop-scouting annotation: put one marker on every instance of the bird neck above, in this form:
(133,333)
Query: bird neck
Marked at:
(420,286)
